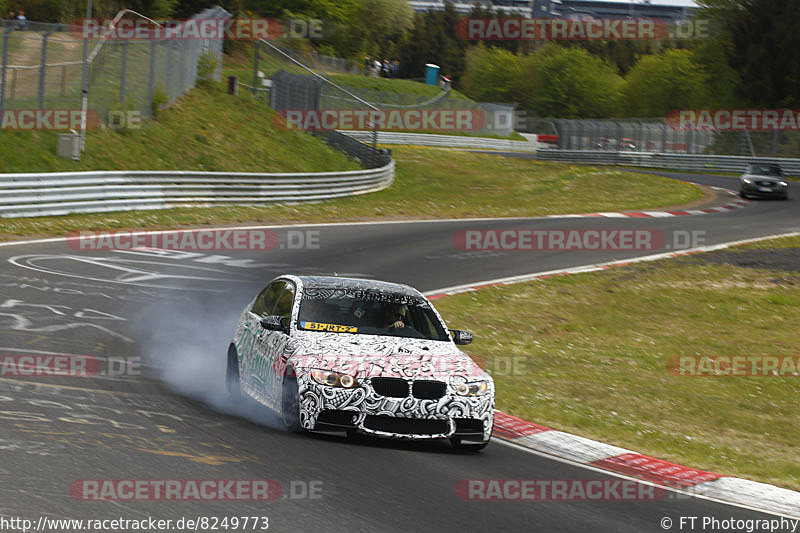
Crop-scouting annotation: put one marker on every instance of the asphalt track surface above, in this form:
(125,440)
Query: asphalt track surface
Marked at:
(175,313)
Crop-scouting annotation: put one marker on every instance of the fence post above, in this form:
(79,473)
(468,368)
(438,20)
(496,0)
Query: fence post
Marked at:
(168,69)
(4,68)
(123,75)
(43,68)
(151,82)
(183,66)
(255,66)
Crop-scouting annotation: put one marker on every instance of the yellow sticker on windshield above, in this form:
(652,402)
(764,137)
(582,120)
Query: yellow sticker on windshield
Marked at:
(333,328)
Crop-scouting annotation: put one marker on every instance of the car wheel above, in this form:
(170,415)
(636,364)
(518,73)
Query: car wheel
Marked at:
(232,386)
(743,195)
(290,405)
(459,445)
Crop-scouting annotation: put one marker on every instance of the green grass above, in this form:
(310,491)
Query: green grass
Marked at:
(430,183)
(204,130)
(770,244)
(392,85)
(591,353)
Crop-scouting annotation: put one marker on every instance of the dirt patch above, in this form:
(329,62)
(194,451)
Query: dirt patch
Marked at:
(777,259)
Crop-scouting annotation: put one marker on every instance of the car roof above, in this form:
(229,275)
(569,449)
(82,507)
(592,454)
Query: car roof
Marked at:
(336,282)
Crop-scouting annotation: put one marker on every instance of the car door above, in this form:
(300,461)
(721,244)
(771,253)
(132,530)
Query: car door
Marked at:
(276,345)
(253,372)
(265,373)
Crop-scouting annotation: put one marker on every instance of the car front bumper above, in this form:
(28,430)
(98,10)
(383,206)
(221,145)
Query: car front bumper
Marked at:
(751,189)
(364,411)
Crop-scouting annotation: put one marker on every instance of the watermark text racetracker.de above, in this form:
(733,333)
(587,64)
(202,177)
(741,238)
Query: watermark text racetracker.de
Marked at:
(734,119)
(65,365)
(578,239)
(393,120)
(195,239)
(561,29)
(148,490)
(239,29)
(547,490)
(786,366)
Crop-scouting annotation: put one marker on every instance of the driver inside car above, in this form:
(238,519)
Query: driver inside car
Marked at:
(395,316)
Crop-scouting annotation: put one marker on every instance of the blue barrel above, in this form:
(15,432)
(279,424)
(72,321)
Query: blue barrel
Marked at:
(432,74)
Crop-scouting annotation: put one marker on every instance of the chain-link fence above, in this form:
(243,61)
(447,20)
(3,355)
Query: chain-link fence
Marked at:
(41,67)
(356,92)
(657,135)
(642,135)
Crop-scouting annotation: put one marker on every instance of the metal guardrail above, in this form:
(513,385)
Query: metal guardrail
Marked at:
(701,162)
(60,193)
(450,141)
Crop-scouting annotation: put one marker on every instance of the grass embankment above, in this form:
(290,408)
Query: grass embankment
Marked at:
(594,349)
(430,183)
(383,92)
(204,130)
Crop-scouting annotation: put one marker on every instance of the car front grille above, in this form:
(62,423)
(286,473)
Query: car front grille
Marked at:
(390,387)
(406,426)
(399,388)
(428,390)
(765,183)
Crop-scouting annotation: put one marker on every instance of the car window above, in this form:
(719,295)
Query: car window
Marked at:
(266,301)
(284,306)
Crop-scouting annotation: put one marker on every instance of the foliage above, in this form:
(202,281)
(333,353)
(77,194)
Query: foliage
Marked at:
(663,82)
(571,83)
(206,67)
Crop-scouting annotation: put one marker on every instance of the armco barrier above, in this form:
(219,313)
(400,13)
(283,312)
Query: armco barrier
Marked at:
(449,141)
(61,193)
(701,162)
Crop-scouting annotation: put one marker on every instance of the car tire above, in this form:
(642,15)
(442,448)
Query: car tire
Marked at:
(743,195)
(232,385)
(290,405)
(461,446)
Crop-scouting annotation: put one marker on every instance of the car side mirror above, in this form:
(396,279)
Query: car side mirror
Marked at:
(461,337)
(275,323)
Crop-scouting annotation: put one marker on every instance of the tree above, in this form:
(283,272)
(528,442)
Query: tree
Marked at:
(660,83)
(571,83)
(492,75)
(764,48)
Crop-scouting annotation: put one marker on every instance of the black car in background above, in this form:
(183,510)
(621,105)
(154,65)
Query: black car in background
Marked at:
(762,180)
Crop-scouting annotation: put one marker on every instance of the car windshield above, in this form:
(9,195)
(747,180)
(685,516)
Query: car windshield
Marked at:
(765,170)
(369,312)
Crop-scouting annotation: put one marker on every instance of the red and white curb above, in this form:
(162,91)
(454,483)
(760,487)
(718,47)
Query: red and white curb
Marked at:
(692,481)
(659,214)
(580,450)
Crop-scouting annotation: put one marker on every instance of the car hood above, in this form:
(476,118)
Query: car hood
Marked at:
(380,355)
(763,177)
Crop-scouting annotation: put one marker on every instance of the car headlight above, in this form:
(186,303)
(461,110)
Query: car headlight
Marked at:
(333,379)
(746,180)
(472,388)
(784,184)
